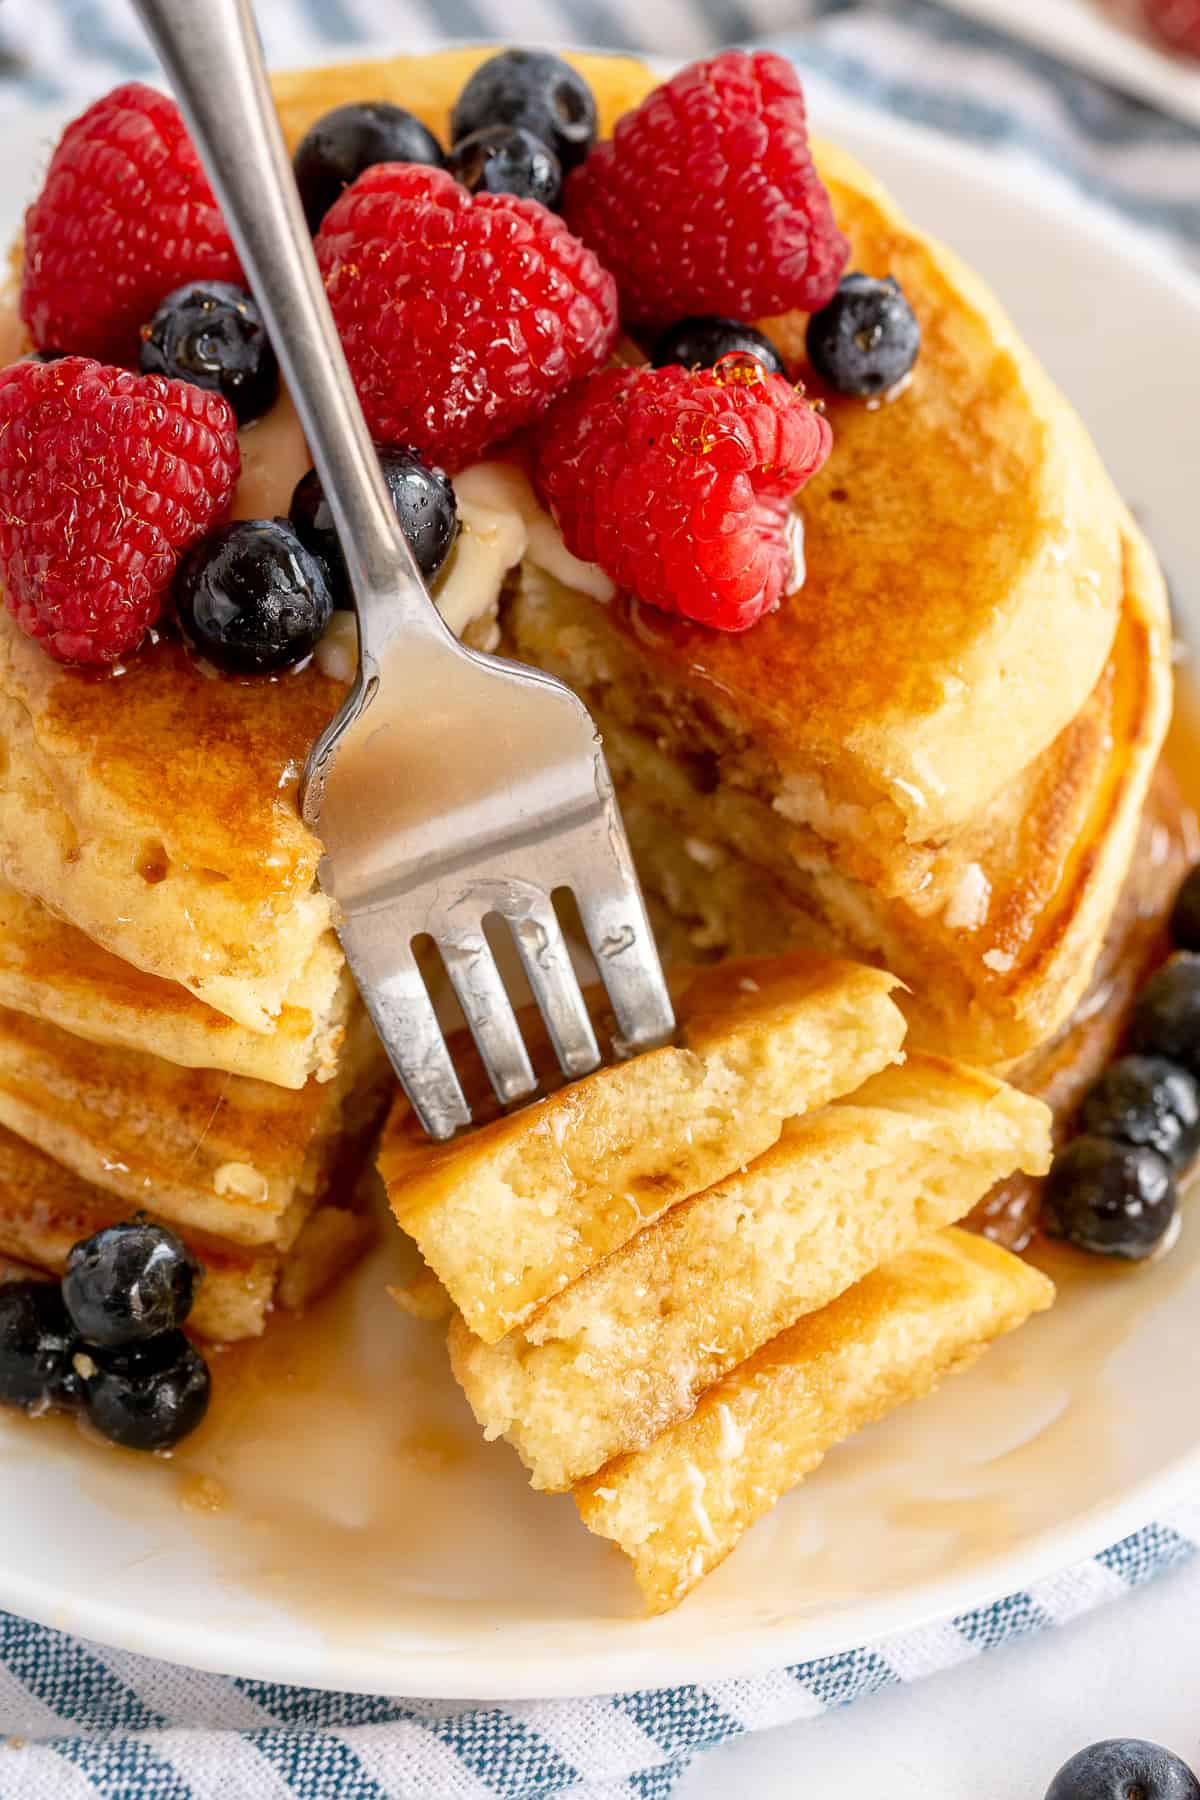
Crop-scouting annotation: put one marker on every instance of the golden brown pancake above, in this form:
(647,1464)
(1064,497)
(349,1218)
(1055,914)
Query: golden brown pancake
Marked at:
(998,943)
(45,1209)
(1060,1070)
(52,971)
(156,810)
(679,1507)
(629,1348)
(510,1213)
(222,1154)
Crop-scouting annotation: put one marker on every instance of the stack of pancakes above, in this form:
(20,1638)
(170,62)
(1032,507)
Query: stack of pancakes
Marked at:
(677,1282)
(178,1033)
(939,756)
(936,755)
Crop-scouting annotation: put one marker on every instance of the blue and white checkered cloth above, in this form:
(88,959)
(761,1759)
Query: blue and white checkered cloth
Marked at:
(80,1722)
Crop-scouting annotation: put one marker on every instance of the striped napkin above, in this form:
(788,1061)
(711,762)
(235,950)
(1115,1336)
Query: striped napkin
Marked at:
(80,1722)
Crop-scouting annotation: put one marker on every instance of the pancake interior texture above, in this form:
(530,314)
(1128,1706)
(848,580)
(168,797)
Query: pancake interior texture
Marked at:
(679,1507)
(629,1349)
(997,944)
(509,1214)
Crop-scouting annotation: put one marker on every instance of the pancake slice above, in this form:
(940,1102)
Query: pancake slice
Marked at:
(225,1155)
(678,1508)
(628,1349)
(156,810)
(46,1209)
(509,1214)
(50,970)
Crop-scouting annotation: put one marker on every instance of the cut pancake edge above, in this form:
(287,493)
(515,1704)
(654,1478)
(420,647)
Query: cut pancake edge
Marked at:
(626,1350)
(678,1508)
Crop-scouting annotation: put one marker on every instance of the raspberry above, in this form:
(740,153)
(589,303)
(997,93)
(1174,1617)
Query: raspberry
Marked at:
(1176,22)
(463,315)
(676,482)
(124,217)
(706,200)
(105,477)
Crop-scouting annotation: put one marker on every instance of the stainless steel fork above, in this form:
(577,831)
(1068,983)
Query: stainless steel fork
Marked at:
(451,786)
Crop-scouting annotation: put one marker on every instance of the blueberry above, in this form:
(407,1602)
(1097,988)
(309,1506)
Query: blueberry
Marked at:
(1146,1100)
(44,356)
(866,339)
(1124,1769)
(251,598)
(128,1283)
(146,1396)
(425,506)
(1166,1016)
(212,334)
(37,1342)
(1185,914)
(507,159)
(1110,1198)
(534,89)
(699,342)
(335,151)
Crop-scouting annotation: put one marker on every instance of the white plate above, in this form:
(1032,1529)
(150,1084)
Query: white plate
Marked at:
(375,1543)
(1101,37)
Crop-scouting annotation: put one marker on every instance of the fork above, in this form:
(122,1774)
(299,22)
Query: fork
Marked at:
(451,786)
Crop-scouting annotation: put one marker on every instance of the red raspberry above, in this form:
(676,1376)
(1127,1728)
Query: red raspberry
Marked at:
(676,482)
(463,315)
(706,199)
(104,478)
(1176,22)
(125,216)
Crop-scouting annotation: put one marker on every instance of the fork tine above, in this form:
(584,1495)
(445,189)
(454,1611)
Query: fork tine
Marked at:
(550,974)
(489,1013)
(614,919)
(408,1026)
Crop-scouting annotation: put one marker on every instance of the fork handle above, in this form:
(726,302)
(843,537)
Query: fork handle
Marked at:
(211,51)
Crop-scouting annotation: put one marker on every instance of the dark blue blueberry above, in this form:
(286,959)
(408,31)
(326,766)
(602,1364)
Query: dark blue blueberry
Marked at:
(1124,1769)
(130,1282)
(44,356)
(146,1396)
(1166,1016)
(1185,914)
(507,159)
(251,598)
(1146,1100)
(536,90)
(212,334)
(866,339)
(1109,1198)
(425,506)
(335,151)
(699,342)
(37,1343)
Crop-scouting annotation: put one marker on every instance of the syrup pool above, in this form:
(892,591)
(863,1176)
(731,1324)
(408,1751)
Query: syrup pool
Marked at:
(340,1482)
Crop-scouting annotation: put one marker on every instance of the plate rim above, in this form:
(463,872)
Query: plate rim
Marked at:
(625,1655)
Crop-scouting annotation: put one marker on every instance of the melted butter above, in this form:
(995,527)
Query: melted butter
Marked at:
(500,522)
